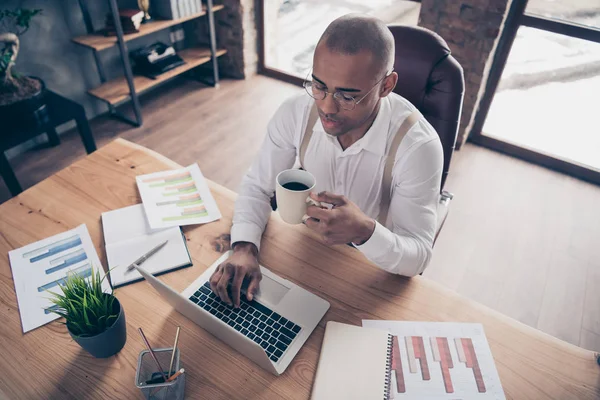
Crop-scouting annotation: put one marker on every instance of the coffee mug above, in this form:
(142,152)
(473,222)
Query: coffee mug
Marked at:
(292,189)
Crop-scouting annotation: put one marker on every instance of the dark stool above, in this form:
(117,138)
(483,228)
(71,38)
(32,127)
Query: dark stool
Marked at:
(59,110)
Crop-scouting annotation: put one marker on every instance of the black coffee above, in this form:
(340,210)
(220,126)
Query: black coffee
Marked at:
(295,186)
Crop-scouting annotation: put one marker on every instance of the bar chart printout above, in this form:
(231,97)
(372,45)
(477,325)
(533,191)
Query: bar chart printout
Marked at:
(177,197)
(440,360)
(42,266)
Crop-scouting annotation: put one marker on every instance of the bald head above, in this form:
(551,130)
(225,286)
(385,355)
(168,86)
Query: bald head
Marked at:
(354,33)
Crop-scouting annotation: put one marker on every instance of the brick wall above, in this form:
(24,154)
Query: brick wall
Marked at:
(236,32)
(472,29)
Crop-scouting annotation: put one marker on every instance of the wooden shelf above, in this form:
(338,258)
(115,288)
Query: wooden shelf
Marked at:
(117,90)
(98,41)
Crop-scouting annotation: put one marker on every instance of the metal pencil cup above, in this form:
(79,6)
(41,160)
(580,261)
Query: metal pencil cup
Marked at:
(147,370)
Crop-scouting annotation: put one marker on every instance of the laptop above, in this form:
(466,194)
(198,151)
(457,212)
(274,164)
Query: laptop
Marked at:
(269,330)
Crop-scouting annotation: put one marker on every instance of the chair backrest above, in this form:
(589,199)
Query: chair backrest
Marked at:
(432,80)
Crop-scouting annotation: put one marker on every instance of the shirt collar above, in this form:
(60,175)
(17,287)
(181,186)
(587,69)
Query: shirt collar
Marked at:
(375,140)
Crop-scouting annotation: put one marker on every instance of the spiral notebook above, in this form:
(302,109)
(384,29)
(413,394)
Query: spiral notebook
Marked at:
(355,363)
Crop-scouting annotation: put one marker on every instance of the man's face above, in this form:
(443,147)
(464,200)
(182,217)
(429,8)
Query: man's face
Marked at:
(352,75)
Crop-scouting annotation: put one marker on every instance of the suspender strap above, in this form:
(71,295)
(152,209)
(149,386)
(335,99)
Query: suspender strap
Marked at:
(386,193)
(386,190)
(308,131)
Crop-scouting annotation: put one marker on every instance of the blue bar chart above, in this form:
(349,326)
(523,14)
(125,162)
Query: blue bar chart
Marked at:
(41,267)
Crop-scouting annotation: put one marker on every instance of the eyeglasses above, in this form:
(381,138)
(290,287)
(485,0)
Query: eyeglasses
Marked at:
(345,101)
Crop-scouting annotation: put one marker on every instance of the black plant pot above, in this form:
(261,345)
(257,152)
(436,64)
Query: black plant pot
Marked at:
(109,342)
(29,113)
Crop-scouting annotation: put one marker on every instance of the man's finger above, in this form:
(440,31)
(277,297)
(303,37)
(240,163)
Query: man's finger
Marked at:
(312,224)
(236,285)
(215,277)
(224,282)
(253,286)
(317,213)
(328,197)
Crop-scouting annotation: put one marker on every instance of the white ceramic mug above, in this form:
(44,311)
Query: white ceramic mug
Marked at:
(292,204)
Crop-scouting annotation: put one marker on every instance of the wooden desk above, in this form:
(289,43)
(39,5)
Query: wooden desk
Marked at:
(47,364)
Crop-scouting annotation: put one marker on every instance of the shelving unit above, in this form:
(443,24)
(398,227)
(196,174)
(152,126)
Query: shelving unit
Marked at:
(128,87)
(116,91)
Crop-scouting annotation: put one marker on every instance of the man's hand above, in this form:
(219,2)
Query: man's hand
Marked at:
(242,264)
(344,223)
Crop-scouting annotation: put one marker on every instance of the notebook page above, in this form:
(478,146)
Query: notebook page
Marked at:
(352,364)
(122,254)
(125,223)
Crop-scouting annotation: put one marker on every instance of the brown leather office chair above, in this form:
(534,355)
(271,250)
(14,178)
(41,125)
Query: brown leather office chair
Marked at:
(431,79)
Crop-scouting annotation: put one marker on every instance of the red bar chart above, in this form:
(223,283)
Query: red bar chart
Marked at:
(441,354)
(434,360)
(397,366)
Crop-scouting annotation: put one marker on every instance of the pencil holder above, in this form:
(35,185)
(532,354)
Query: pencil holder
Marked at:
(147,371)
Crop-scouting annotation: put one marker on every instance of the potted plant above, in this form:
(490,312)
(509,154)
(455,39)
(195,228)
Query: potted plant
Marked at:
(95,319)
(20,96)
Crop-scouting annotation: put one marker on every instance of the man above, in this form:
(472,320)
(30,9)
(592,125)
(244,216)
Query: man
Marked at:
(351,86)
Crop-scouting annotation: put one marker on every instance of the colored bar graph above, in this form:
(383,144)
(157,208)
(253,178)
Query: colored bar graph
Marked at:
(397,366)
(471,361)
(171,177)
(83,271)
(435,350)
(459,350)
(445,359)
(410,351)
(190,197)
(171,182)
(50,309)
(187,197)
(419,348)
(66,261)
(180,203)
(189,188)
(194,210)
(52,249)
(182,186)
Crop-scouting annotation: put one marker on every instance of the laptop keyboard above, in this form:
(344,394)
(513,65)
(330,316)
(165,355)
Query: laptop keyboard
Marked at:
(270,330)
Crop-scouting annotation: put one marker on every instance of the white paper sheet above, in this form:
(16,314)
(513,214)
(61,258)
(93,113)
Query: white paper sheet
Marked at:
(41,266)
(128,236)
(440,360)
(177,197)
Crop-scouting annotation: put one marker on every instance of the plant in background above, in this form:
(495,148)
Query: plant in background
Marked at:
(14,23)
(87,309)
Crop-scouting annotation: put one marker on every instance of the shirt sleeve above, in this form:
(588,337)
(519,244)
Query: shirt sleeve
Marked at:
(277,153)
(406,248)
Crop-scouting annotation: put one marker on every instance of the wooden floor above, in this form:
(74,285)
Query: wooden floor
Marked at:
(519,238)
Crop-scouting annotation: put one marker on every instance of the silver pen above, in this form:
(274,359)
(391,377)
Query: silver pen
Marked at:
(146,256)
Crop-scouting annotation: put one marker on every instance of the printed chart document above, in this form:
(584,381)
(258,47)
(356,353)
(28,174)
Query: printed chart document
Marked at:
(128,236)
(42,266)
(177,197)
(440,360)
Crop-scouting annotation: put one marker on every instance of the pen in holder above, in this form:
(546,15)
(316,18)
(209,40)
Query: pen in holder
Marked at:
(149,380)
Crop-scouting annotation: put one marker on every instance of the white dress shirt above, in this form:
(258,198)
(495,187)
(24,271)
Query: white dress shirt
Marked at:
(404,245)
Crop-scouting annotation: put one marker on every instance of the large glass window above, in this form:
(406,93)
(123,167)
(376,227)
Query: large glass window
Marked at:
(547,98)
(293,27)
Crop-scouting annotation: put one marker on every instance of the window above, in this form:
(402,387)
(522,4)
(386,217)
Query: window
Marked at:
(292,28)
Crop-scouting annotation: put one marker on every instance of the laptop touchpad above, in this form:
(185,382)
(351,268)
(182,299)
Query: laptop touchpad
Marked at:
(271,291)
